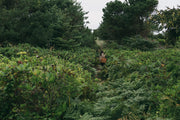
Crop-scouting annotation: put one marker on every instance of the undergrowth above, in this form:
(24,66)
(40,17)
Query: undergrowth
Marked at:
(38,83)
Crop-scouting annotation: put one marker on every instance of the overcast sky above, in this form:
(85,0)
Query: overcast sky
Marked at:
(94,7)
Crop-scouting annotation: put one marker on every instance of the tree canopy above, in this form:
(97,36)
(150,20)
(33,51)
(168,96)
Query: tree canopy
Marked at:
(126,19)
(168,20)
(57,23)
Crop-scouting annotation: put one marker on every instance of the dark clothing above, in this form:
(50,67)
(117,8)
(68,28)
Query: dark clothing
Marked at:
(102,64)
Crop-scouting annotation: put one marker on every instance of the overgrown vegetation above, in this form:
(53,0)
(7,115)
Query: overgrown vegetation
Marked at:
(38,83)
(50,70)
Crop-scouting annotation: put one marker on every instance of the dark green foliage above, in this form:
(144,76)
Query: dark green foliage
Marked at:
(125,19)
(134,42)
(138,42)
(88,38)
(172,19)
(140,86)
(168,19)
(43,23)
(65,44)
(114,45)
(172,36)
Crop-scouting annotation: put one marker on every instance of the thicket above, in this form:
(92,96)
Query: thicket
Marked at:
(136,43)
(61,84)
(38,83)
(140,43)
(139,85)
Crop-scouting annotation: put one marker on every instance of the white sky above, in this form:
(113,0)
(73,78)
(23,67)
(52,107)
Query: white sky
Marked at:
(94,7)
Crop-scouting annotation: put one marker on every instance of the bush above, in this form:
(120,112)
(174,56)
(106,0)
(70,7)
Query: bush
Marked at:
(114,45)
(161,41)
(37,87)
(138,42)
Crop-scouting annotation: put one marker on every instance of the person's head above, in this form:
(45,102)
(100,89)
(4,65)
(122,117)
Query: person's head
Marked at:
(101,52)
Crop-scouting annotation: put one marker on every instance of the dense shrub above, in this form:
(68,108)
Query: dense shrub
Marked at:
(39,83)
(162,41)
(156,76)
(138,42)
(37,87)
(114,45)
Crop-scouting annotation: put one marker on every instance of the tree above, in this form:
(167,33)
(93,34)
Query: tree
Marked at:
(43,23)
(169,20)
(125,19)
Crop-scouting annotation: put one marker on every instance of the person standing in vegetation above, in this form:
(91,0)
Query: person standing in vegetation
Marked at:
(102,58)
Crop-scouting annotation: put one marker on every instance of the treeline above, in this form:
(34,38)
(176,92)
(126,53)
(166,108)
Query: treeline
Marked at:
(122,20)
(61,24)
(44,23)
